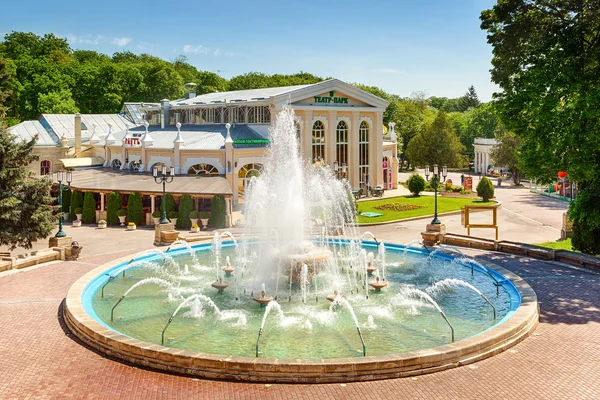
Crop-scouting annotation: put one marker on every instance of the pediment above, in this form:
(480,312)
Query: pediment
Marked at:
(332,98)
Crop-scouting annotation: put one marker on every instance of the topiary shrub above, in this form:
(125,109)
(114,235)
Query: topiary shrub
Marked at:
(76,202)
(66,201)
(88,215)
(485,189)
(416,184)
(170,205)
(135,208)
(217,212)
(585,214)
(114,205)
(186,206)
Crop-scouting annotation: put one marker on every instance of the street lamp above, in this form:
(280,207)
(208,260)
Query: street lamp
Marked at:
(59,178)
(435,181)
(164,178)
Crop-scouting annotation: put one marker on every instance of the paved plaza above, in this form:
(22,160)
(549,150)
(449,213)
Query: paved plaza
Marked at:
(40,359)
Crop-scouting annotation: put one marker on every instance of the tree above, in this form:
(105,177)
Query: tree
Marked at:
(546,64)
(217,212)
(485,189)
(76,202)
(114,205)
(25,213)
(170,204)
(135,208)
(59,102)
(89,208)
(506,154)
(469,100)
(8,84)
(416,184)
(186,206)
(437,144)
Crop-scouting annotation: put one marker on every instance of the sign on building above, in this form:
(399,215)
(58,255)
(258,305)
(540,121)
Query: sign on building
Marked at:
(468,183)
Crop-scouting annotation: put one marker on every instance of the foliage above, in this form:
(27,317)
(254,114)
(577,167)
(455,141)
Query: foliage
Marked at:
(559,245)
(194,226)
(546,63)
(204,215)
(59,102)
(76,203)
(186,206)
(121,212)
(25,213)
(506,154)
(89,208)
(131,224)
(258,80)
(416,184)
(8,84)
(479,122)
(469,100)
(485,189)
(585,214)
(194,215)
(135,208)
(217,214)
(113,206)
(172,214)
(102,222)
(66,200)
(170,203)
(437,144)
(156,214)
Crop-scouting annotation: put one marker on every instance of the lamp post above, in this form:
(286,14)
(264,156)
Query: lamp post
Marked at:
(164,178)
(435,181)
(59,178)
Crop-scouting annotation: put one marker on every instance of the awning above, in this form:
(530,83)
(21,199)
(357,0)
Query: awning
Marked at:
(112,180)
(82,162)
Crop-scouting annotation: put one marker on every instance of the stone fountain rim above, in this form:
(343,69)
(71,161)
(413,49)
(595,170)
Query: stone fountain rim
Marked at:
(498,338)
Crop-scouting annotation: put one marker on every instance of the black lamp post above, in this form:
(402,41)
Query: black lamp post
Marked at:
(435,181)
(59,178)
(164,178)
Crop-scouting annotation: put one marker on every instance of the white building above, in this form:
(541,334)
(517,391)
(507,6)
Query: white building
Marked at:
(482,149)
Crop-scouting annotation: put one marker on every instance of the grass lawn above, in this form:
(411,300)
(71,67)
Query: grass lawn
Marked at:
(560,245)
(408,207)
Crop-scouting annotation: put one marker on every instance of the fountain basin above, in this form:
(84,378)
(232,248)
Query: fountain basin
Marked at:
(81,319)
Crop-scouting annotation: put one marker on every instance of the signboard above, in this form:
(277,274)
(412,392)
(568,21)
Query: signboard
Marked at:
(468,183)
(251,141)
(331,99)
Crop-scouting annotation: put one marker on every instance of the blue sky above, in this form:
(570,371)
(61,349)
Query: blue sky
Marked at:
(402,46)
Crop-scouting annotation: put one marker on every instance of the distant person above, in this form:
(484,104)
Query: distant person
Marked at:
(462,179)
(479,174)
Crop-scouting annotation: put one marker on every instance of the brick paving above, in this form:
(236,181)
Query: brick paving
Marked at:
(39,359)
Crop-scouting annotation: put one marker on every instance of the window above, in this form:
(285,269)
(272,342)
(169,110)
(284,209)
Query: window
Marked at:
(115,164)
(246,173)
(45,167)
(135,165)
(341,147)
(318,141)
(363,151)
(203,169)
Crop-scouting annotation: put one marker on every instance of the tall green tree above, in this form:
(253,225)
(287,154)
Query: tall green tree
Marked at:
(546,63)
(76,202)
(114,205)
(59,102)
(506,154)
(438,144)
(25,213)
(186,206)
(89,208)
(135,208)
(469,100)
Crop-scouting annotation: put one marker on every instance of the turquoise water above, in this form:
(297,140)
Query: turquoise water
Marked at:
(390,320)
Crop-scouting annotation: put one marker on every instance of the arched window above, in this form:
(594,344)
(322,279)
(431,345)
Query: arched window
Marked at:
(318,142)
(246,173)
(116,164)
(203,169)
(341,146)
(363,151)
(45,167)
(135,165)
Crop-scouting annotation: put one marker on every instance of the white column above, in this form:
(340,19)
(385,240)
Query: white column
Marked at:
(353,153)
(330,137)
(101,201)
(152,203)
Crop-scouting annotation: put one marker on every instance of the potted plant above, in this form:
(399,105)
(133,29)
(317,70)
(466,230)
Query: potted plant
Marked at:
(76,222)
(122,214)
(194,215)
(156,217)
(65,216)
(173,217)
(101,224)
(204,216)
(131,226)
(78,213)
(195,228)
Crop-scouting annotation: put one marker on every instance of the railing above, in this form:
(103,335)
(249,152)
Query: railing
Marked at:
(450,325)
(258,341)
(362,341)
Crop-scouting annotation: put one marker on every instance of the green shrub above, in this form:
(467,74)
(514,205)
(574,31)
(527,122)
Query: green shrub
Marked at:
(172,214)
(89,208)
(113,206)
(66,200)
(170,205)
(135,208)
(195,215)
(485,189)
(204,215)
(121,212)
(156,214)
(217,212)
(416,184)
(76,202)
(585,214)
(186,206)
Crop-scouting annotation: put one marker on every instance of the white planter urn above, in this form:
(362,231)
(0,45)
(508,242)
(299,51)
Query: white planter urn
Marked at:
(76,223)
(156,220)
(122,219)
(131,227)
(79,216)
(194,221)
(173,221)
(65,216)
(204,222)
(195,230)
(101,226)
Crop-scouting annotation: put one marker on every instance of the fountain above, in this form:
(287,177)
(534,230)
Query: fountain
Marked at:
(280,263)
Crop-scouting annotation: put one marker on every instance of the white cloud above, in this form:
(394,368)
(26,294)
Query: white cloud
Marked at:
(85,39)
(188,48)
(217,53)
(121,41)
(388,70)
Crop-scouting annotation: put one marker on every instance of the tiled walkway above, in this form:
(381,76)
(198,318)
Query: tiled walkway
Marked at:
(39,359)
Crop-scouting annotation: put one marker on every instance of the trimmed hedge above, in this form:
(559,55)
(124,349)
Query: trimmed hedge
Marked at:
(416,184)
(135,208)
(217,212)
(114,205)
(170,204)
(66,201)
(76,202)
(89,208)
(186,206)
(485,189)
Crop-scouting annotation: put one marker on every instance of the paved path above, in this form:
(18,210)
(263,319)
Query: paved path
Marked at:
(39,359)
